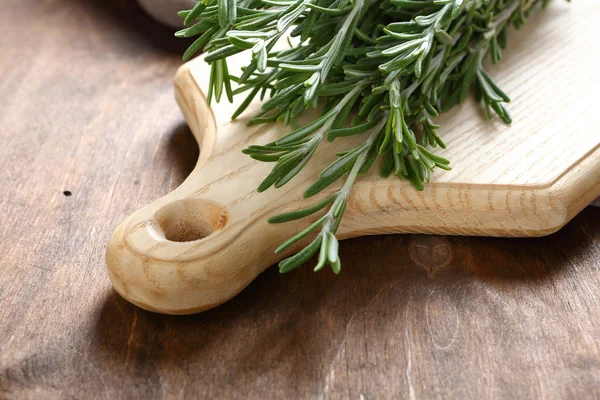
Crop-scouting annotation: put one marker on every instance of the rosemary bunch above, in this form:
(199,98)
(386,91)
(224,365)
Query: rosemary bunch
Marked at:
(378,68)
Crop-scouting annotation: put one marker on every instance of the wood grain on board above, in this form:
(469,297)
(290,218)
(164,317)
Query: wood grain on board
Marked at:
(203,243)
(86,106)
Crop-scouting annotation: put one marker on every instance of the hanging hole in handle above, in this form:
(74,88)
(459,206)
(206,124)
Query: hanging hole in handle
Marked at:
(190,220)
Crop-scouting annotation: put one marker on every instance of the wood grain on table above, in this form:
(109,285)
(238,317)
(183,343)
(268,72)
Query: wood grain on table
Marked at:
(87,109)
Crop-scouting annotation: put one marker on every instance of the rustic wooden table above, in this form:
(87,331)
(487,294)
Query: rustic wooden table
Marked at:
(90,132)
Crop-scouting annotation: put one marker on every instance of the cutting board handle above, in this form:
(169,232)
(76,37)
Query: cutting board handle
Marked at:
(200,245)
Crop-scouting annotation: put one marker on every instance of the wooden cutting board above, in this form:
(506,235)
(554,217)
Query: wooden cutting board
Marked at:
(203,243)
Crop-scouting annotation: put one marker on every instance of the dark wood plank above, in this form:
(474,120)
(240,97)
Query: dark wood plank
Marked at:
(86,106)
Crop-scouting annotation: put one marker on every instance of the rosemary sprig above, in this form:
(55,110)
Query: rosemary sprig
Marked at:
(382,69)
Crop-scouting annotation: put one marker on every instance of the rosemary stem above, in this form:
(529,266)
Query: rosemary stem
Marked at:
(505,15)
(361,159)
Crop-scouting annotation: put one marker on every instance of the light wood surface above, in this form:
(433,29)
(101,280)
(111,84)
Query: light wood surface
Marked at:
(200,245)
(87,106)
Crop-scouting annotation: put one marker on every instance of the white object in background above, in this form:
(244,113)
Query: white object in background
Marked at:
(165,11)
